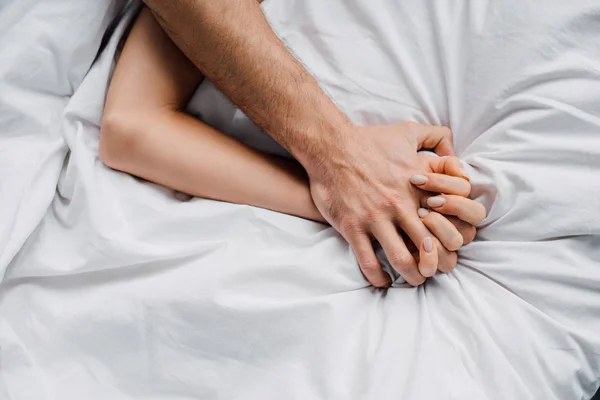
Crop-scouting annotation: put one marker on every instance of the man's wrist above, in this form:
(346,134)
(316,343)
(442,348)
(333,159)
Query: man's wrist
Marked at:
(320,142)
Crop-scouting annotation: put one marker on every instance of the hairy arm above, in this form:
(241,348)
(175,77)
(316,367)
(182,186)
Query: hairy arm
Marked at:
(144,133)
(231,42)
(359,176)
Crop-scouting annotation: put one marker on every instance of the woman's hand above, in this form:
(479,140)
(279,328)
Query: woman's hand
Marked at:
(446,210)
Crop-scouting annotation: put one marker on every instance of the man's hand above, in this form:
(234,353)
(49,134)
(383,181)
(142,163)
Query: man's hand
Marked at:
(359,176)
(362,187)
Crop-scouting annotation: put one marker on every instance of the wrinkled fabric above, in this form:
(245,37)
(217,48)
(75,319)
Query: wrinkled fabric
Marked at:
(115,288)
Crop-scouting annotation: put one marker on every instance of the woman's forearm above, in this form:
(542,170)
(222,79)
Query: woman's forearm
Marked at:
(180,152)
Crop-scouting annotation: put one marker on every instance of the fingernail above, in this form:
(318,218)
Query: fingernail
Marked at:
(465,173)
(428,244)
(436,201)
(421,212)
(418,180)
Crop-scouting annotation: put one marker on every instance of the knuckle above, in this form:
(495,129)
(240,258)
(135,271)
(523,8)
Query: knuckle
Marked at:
(482,213)
(369,265)
(350,226)
(455,243)
(393,198)
(463,192)
(465,189)
(380,284)
(450,268)
(400,260)
(446,132)
(415,281)
(405,269)
(454,163)
(400,207)
(447,262)
(374,215)
(469,235)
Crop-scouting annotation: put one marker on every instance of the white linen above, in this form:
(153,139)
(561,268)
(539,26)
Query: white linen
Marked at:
(122,291)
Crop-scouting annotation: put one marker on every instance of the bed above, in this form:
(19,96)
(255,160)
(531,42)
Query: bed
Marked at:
(116,288)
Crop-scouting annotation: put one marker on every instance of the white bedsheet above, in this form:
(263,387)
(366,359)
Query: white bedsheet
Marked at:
(114,289)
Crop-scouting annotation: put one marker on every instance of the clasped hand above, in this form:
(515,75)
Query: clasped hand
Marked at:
(373,186)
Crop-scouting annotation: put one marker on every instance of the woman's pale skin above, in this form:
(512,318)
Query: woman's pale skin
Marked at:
(145,133)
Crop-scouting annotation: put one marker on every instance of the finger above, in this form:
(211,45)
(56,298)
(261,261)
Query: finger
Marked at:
(448,166)
(447,263)
(467,230)
(397,254)
(442,228)
(465,209)
(417,232)
(428,256)
(451,166)
(368,262)
(435,138)
(440,183)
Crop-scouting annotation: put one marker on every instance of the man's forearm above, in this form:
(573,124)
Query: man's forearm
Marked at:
(231,42)
(358,175)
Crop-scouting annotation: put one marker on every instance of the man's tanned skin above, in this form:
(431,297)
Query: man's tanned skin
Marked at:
(359,176)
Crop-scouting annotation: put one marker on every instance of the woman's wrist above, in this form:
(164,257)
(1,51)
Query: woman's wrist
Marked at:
(297,200)
(312,212)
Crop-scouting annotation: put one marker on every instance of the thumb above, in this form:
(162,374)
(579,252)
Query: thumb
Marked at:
(451,166)
(435,138)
